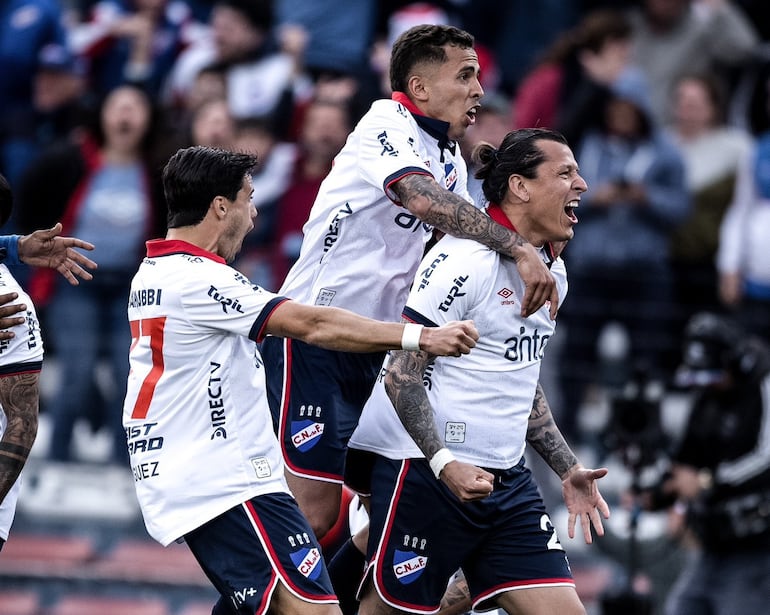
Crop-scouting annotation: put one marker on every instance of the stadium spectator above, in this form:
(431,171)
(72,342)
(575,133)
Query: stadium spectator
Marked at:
(103,191)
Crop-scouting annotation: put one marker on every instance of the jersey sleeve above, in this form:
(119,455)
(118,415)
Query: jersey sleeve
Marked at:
(387,149)
(448,282)
(230,302)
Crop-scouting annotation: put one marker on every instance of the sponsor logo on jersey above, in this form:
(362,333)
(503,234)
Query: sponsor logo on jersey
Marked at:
(408,566)
(506,294)
(308,562)
(527,346)
(453,293)
(387,146)
(334,226)
(428,271)
(226,302)
(306,434)
(450,175)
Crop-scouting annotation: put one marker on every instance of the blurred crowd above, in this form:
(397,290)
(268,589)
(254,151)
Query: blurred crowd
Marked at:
(666,104)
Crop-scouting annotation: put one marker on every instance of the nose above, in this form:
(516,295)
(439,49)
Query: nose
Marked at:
(479,89)
(580,184)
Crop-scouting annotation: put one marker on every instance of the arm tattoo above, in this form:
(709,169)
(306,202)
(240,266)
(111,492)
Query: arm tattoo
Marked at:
(455,216)
(456,598)
(19,397)
(544,436)
(403,384)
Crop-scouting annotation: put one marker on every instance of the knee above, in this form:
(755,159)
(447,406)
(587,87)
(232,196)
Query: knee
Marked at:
(322,517)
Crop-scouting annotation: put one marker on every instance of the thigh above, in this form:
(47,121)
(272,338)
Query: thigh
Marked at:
(542,601)
(316,397)
(418,535)
(522,550)
(249,550)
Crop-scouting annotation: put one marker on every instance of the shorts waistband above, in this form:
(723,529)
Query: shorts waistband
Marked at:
(501,474)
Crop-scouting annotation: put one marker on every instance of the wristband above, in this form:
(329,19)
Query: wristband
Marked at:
(442,457)
(410,338)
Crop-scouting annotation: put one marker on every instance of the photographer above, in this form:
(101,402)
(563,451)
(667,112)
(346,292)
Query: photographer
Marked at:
(721,470)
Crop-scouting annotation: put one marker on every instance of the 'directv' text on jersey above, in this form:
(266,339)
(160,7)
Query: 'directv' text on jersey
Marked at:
(361,248)
(199,431)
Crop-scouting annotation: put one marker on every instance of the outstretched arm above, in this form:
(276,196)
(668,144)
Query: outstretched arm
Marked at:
(452,214)
(403,384)
(46,248)
(339,329)
(19,397)
(579,489)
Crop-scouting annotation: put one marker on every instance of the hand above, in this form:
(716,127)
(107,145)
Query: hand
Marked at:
(539,284)
(7,311)
(453,339)
(44,248)
(467,481)
(583,500)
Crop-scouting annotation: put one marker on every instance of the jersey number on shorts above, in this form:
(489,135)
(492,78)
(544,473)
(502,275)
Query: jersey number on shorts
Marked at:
(152,328)
(547,526)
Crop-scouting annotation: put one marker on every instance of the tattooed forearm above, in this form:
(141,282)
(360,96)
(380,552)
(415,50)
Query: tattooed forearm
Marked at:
(544,436)
(19,398)
(403,384)
(452,214)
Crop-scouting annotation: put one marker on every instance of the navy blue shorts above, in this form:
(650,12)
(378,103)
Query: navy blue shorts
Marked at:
(421,533)
(316,397)
(249,549)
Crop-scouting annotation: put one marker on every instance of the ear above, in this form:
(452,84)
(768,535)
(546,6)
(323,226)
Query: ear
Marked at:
(219,206)
(416,89)
(518,188)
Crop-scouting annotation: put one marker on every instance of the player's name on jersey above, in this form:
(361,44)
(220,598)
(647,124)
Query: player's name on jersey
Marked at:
(146,296)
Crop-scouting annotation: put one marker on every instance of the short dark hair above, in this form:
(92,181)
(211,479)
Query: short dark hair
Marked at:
(6,200)
(518,154)
(194,176)
(424,43)
(259,13)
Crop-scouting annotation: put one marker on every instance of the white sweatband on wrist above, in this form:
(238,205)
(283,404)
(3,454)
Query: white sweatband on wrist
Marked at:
(442,457)
(410,338)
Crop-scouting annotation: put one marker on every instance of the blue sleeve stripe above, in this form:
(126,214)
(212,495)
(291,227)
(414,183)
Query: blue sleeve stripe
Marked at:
(14,369)
(257,329)
(415,317)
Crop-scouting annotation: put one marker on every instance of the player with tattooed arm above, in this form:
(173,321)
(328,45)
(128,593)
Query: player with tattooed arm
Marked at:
(206,462)
(449,488)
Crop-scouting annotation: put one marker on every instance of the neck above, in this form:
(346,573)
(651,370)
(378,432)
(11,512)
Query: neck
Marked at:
(199,235)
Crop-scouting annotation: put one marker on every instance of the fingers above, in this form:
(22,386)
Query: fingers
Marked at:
(74,242)
(554,299)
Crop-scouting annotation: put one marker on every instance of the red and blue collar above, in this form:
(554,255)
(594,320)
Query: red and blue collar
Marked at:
(166,247)
(437,129)
(495,212)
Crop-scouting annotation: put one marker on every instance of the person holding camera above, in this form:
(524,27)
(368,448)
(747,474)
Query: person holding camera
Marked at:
(721,470)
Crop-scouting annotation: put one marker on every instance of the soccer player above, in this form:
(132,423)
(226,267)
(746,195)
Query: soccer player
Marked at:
(21,347)
(206,462)
(399,175)
(449,485)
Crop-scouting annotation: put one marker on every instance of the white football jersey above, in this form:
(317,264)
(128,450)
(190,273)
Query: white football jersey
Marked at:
(361,248)
(22,354)
(200,436)
(481,401)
